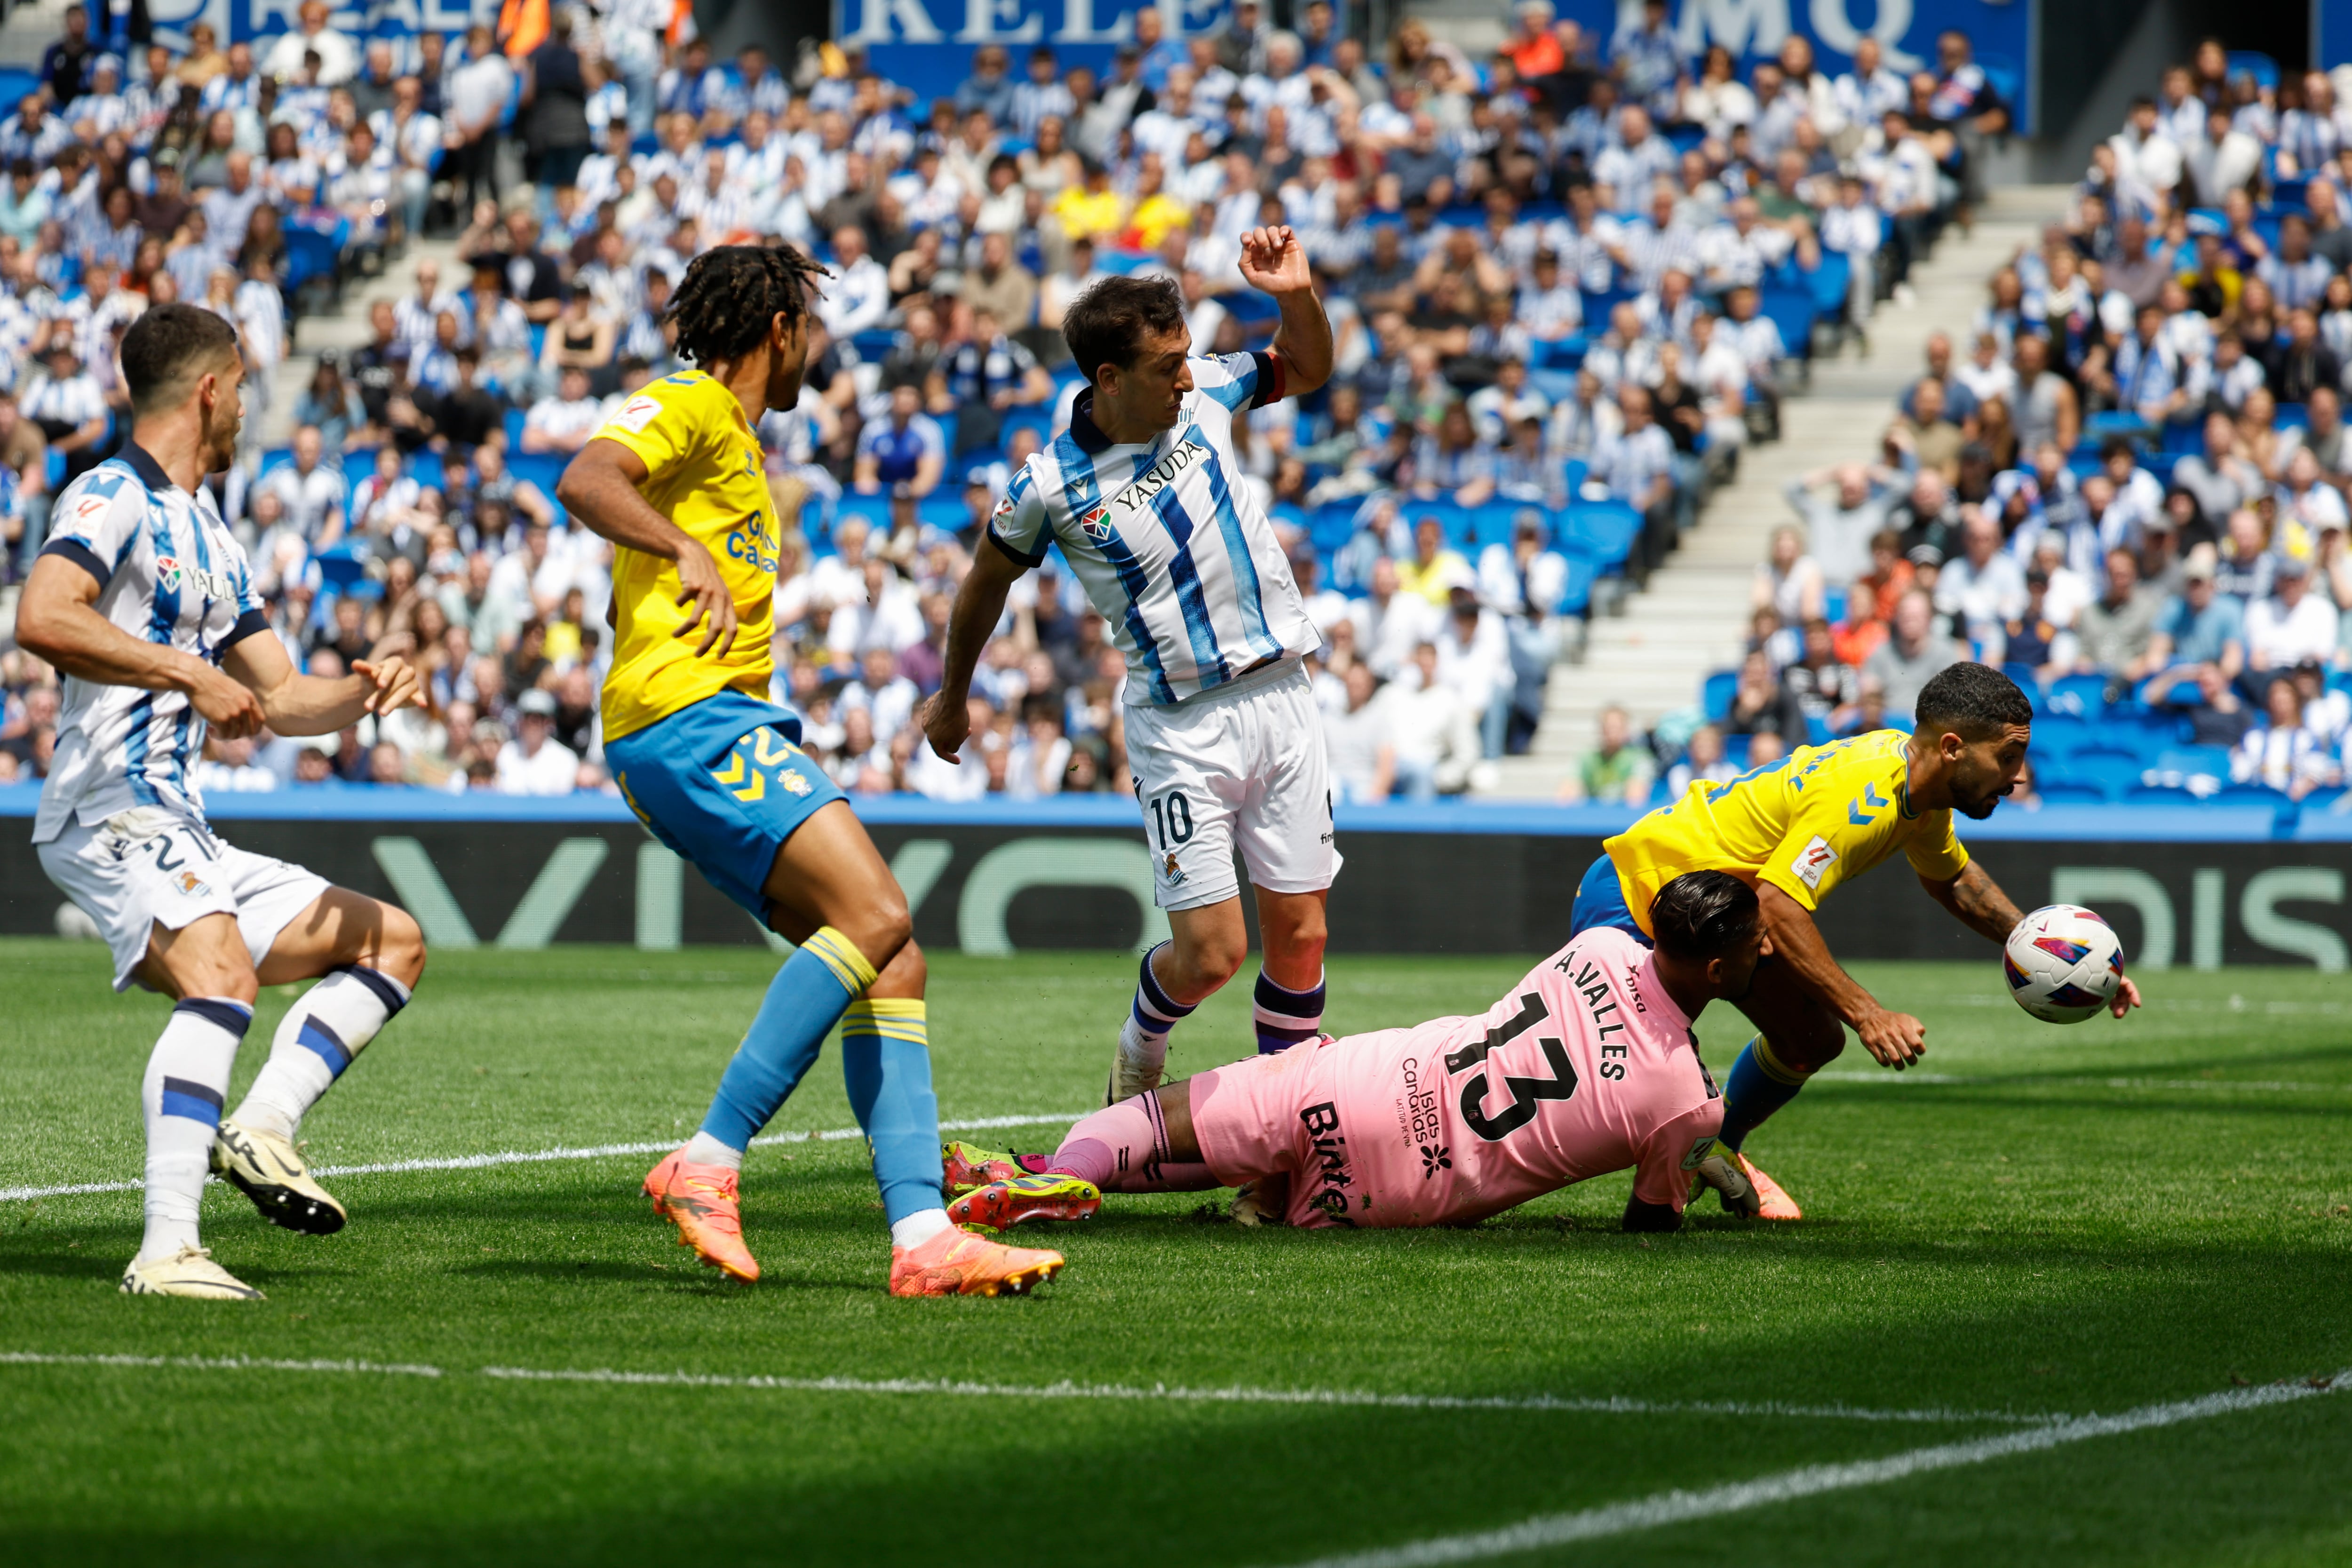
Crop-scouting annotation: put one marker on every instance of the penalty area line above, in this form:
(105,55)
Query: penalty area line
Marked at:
(553,1156)
(1679,1507)
(1537,1404)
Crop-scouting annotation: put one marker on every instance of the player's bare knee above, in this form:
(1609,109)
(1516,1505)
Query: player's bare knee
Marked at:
(400,952)
(904,977)
(881,930)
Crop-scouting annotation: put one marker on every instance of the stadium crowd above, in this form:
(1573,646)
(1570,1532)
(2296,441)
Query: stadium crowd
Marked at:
(2128,485)
(1548,273)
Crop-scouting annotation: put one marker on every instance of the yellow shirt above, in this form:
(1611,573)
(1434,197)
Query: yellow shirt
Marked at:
(703,473)
(1819,817)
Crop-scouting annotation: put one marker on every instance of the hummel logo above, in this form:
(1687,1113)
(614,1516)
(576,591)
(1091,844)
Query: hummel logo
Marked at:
(1434,1159)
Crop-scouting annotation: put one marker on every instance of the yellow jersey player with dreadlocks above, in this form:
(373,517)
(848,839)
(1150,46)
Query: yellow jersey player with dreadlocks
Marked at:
(674,479)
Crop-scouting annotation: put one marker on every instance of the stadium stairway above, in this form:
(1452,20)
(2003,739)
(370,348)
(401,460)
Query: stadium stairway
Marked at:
(345,329)
(31,26)
(1693,617)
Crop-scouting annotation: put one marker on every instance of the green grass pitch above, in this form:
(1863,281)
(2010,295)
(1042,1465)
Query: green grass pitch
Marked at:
(2056,1222)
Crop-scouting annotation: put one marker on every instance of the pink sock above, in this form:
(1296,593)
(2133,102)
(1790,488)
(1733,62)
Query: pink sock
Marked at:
(1124,1149)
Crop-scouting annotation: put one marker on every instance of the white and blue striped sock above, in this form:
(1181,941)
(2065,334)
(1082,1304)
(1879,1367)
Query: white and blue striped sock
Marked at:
(1143,1039)
(315,1042)
(186,1083)
(1284,1016)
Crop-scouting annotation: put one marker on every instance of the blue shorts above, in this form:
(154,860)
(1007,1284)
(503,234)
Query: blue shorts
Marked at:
(723,784)
(1600,901)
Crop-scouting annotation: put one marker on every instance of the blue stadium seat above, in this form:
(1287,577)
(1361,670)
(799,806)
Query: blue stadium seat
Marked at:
(1792,311)
(540,468)
(2256,64)
(339,569)
(1561,353)
(2249,795)
(2110,774)
(875,508)
(1716,696)
(2158,795)
(1598,303)
(1497,521)
(1559,385)
(2106,750)
(943,509)
(1576,593)
(2084,695)
(1830,284)
(2065,794)
(1333,524)
(1604,529)
(2058,734)
(2291,416)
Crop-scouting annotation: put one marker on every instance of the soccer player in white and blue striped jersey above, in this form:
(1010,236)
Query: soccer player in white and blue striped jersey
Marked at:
(1144,497)
(142,598)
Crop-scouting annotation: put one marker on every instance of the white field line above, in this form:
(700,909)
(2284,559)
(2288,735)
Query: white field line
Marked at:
(547,1156)
(1238,1396)
(218,1363)
(1158,1393)
(1680,1507)
(2267,1085)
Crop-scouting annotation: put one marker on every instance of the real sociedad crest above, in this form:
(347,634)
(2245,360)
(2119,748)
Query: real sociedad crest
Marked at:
(1095,525)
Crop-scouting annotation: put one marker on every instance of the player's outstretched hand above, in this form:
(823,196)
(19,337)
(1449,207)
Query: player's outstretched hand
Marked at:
(396,685)
(946,724)
(702,587)
(2126,998)
(1896,1039)
(233,712)
(1274,262)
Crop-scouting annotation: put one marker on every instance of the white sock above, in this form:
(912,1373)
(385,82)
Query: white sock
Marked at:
(315,1042)
(186,1083)
(702,1149)
(917,1228)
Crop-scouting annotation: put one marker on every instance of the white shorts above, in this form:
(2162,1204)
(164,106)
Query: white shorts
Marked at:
(146,867)
(1240,769)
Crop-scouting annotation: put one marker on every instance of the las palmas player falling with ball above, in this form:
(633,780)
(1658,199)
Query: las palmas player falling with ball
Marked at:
(1145,498)
(675,481)
(1795,830)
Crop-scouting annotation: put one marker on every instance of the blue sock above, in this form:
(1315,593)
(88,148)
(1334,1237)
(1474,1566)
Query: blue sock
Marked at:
(1759,1084)
(1284,1016)
(805,1000)
(886,1062)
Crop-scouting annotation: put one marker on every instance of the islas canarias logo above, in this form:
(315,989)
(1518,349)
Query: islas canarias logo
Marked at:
(753,541)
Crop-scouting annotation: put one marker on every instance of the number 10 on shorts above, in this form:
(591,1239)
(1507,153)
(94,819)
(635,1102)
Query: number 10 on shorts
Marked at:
(1172,823)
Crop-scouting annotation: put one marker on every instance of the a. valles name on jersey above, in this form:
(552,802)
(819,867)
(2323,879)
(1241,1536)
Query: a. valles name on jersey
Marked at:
(1146,484)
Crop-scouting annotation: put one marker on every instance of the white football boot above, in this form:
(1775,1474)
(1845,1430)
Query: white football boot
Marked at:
(191,1273)
(271,1172)
(1135,1067)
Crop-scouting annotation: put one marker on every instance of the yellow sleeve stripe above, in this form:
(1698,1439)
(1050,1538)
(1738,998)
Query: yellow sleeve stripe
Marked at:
(840,955)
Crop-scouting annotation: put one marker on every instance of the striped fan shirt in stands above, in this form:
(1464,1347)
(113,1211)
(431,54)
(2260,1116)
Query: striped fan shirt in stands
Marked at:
(168,571)
(1172,548)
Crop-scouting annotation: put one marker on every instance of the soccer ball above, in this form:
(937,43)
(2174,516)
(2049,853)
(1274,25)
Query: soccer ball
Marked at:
(2063,963)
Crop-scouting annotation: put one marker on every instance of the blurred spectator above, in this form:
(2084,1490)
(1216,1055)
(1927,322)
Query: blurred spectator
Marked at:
(2279,751)
(534,762)
(2116,631)
(2292,625)
(1915,651)
(2199,630)
(1616,771)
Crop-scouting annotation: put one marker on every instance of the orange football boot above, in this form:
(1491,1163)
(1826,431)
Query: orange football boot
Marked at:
(701,1201)
(1773,1201)
(958,1263)
(1000,1206)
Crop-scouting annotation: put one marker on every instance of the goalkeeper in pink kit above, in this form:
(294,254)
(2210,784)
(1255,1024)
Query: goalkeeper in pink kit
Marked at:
(1585,1067)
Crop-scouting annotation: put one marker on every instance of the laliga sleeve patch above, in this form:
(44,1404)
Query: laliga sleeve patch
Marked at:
(1813,861)
(636,413)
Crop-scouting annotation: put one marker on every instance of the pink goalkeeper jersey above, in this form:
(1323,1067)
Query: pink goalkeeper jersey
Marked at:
(1586,1067)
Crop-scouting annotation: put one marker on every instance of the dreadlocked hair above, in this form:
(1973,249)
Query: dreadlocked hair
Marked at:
(731,292)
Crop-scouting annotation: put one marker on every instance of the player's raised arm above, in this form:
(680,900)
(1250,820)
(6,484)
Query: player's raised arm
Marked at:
(1275,262)
(600,487)
(979,605)
(299,704)
(57,619)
